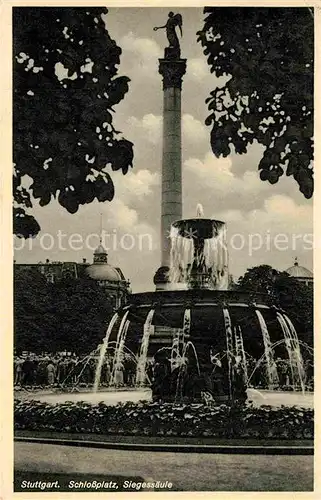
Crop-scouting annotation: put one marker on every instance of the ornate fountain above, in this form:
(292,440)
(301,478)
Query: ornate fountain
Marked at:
(198,333)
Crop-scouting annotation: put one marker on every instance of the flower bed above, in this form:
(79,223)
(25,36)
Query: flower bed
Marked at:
(166,419)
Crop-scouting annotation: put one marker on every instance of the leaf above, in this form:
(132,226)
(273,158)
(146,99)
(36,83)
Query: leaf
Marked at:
(24,225)
(292,166)
(273,71)
(67,112)
(121,156)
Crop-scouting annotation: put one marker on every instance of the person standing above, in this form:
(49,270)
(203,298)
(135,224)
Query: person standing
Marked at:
(150,371)
(42,372)
(238,386)
(28,370)
(18,371)
(282,371)
(107,372)
(62,370)
(51,373)
(119,375)
(73,369)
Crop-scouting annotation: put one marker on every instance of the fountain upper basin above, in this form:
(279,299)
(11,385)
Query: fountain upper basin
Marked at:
(198,228)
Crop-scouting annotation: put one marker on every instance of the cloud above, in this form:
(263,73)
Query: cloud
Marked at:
(229,215)
(145,48)
(140,57)
(216,174)
(279,213)
(149,127)
(219,186)
(193,130)
(119,218)
(199,71)
(274,234)
(135,185)
(129,188)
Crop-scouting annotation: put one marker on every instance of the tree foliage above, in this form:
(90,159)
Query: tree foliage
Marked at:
(267,53)
(66,85)
(295,298)
(83,312)
(33,324)
(68,315)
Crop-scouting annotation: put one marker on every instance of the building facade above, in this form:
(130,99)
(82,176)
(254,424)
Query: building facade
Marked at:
(110,278)
(300,273)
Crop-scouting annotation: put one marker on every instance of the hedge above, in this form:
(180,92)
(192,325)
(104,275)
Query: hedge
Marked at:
(166,419)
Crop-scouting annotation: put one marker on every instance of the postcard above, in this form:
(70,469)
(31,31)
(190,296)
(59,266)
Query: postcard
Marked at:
(163,248)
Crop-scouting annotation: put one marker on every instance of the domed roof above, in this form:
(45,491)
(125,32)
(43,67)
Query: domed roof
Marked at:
(103,272)
(100,249)
(100,270)
(297,271)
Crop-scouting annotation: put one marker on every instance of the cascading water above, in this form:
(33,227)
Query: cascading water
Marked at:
(103,351)
(82,371)
(211,261)
(198,282)
(72,373)
(119,349)
(186,325)
(127,351)
(273,346)
(199,257)
(175,351)
(297,351)
(187,346)
(229,346)
(179,341)
(183,367)
(119,357)
(240,352)
(181,256)
(271,369)
(199,211)
(216,259)
(142,360)
(182,364)
(293,350)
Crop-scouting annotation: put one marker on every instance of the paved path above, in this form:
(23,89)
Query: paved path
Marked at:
(187,471)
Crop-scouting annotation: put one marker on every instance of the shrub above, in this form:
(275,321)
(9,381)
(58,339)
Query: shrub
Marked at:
(166,419)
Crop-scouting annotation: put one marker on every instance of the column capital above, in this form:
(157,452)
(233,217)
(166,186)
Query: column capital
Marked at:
(172,71)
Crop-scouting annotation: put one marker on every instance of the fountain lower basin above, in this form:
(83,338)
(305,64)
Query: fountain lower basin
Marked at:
(202,326)
(206,307)
(202,336)
(259,398)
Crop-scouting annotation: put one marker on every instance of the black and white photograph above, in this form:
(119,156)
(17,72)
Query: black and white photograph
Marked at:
(163,274)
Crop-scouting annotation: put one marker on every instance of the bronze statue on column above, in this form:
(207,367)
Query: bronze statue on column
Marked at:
(174,20)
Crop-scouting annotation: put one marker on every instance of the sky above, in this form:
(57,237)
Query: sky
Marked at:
(266,224)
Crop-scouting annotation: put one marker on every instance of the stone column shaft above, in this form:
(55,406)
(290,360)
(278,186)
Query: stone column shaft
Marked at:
(171,167)
(172,71)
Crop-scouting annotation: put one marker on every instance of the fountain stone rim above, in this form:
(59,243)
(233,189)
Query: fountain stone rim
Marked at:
(195,296)
(197,228)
